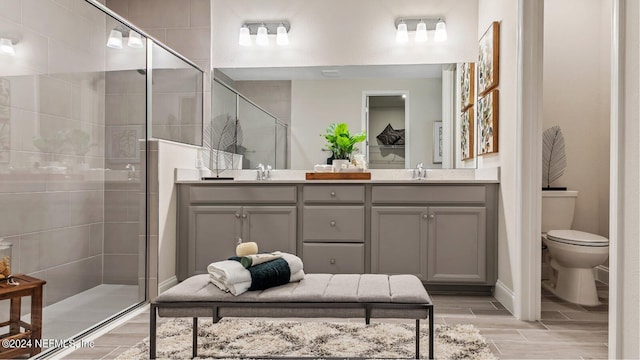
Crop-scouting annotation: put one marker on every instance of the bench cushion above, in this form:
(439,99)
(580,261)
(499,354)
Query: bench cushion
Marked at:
(314,288)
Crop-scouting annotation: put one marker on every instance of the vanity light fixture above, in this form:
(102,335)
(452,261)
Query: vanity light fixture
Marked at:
(402,36)
(421,31)
(6,47)
(117,35)
(441,31)
(135,40)
(262,30)
(282,37)
(245,36)
(115,39)
(262,38)
(421,26)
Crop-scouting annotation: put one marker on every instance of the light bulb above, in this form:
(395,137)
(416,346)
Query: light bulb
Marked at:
(6,47)
(115,39)
(135,40)
(262,38)
(245,36)
(441,31)
(282,38)
(421,32)
(402,36)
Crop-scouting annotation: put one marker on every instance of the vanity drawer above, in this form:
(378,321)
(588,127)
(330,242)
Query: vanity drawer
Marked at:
(333,258)
(333,194)
(428,194)
(333,224)
(242,194)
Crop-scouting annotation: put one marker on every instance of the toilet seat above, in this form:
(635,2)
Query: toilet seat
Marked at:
(579,238)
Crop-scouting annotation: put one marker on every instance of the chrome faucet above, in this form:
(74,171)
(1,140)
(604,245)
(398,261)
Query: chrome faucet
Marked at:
(131,174)
(419,172)
(260,174)
(263,172)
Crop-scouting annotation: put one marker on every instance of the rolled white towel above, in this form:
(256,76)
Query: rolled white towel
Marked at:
(218,283)
(295,263)
(297,276)
(239,288)
(229,272)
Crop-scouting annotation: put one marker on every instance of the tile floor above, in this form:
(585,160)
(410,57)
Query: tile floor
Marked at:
(566,331)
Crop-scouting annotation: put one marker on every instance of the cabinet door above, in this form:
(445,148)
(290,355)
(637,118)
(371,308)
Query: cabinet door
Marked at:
(457,245)
(399,240)
(273,228)
(213,235)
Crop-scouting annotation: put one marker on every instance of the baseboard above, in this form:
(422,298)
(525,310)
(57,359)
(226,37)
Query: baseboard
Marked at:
(505,296)
(167,284)
(602,274)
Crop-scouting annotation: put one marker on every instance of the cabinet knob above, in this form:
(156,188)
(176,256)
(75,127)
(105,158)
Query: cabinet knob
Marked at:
(332,261)
(237,216)
(333,194)
(244,216)
(332,223)
(239,241)
(432,216)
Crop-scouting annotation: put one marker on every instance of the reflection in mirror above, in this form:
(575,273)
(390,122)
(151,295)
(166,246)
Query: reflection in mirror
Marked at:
(310,98)
(243,135)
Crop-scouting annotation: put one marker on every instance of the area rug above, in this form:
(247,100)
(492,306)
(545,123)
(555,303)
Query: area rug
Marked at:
(241,338)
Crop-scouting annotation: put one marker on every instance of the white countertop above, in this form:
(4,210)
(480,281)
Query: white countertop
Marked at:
(402,176)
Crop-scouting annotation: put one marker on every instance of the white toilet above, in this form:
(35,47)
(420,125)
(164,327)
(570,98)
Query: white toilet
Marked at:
(573,254)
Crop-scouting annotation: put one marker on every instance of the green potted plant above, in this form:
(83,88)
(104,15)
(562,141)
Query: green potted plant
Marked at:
(341,142)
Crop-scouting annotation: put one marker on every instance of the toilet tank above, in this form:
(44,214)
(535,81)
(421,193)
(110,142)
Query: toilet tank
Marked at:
(558,208)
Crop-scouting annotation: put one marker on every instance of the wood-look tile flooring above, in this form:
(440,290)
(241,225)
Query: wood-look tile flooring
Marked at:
(566,331)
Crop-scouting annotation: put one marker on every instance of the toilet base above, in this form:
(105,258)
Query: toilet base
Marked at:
(575,285)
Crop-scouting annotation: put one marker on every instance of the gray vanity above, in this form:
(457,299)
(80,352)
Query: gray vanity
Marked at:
(443,232)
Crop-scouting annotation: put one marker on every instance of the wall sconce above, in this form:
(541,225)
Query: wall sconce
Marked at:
(6,45)
(420,26)
(118,33)
(262,30)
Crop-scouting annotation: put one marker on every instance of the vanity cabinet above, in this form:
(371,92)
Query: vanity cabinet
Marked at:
(213,230)
(446,234)
(441,244)
(399,240)
(333,229)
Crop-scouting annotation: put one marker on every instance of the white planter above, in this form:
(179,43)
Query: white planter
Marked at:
(339,164)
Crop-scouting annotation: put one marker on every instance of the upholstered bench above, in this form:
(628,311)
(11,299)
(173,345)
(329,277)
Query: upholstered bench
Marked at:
(317,295)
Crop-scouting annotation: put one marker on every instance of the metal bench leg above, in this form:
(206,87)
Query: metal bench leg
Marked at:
(194,351)
(417,338)
(431,331)
(367,315)
(152,332)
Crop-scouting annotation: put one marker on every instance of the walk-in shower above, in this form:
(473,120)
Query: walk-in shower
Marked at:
(75,119)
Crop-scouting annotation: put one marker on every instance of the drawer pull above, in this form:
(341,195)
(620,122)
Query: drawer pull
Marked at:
(244,216)
(237,216)
(332,223)
(239,241)
(333,194)
(332,261)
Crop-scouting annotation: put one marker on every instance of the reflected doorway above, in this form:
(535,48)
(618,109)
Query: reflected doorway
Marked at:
(386,120)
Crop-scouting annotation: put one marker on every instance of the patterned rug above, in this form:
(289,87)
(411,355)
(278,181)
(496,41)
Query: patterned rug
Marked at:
(240,338)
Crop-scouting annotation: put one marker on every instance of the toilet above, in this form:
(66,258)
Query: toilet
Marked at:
(572,254)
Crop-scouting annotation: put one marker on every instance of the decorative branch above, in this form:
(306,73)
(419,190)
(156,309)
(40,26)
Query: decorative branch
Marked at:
(554,158)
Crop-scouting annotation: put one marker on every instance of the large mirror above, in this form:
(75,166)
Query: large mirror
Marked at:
(407,111)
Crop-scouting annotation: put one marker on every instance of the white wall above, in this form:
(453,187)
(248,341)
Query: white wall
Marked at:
(336,32)
(310,114)
(576,89)
(625,190)
(170,156)
(504,11)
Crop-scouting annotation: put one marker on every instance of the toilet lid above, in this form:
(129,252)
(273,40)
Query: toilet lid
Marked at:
(575,237)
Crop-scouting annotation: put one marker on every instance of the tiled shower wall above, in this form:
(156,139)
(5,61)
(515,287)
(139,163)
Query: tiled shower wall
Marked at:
(53,91)
(71,209)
